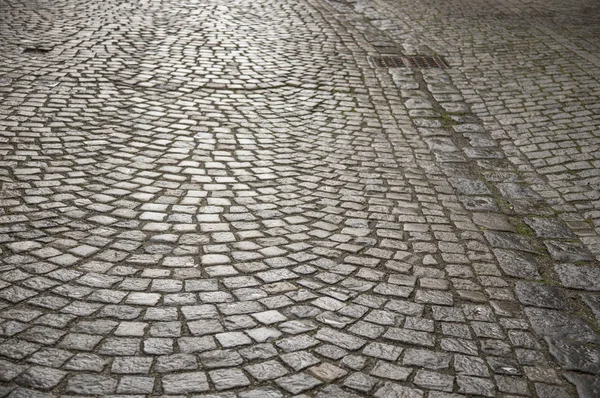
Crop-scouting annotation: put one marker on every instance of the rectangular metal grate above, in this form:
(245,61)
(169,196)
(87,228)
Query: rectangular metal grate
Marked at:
(387,62)
(418,61)
(36,50)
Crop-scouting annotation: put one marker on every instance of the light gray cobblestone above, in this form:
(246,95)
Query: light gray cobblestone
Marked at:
(228,199)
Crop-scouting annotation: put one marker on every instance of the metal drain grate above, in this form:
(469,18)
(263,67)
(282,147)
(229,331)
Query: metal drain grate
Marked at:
(36,50)
(387,62)
(418,61)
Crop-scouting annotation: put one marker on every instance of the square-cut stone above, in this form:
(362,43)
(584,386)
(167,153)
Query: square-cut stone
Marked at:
(327,372)
(266,370)
(269,317)
(185,383)
(224,379)
(297,383)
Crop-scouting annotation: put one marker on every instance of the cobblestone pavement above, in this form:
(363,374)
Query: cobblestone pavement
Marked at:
(229,199)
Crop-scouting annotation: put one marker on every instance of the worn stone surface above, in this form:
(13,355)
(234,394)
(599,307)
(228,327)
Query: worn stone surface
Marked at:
(185,383)
(540,295)
(360,382)
(568,252)
(297,383)
(493,221)
(576,356)
(91,385)
(434,381)
(397,391)
(549,228)
(475,386)
(388,370)
(579,277)
(593,302)
(517,264)
(588,386)
(327,372)
(232,199)
(557,324)
(426,359)
(224,379)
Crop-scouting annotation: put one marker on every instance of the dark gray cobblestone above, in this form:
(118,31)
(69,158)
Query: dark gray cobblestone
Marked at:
(226,199)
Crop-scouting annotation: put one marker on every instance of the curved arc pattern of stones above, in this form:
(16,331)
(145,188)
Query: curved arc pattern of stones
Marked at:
(259,238)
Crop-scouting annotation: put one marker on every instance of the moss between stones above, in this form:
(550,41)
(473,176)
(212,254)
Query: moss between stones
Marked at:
(522,228)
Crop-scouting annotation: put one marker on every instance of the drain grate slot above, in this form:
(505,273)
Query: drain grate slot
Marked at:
(425,62)
(418,61)
(387,61)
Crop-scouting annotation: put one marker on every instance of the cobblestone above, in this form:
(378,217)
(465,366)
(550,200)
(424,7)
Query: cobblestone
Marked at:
(227,199)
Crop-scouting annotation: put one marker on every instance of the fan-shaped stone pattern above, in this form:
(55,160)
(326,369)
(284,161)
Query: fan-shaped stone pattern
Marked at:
(169,215)
(218,196)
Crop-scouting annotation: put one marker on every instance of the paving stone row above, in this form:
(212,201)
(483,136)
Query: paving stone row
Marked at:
(226,199)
